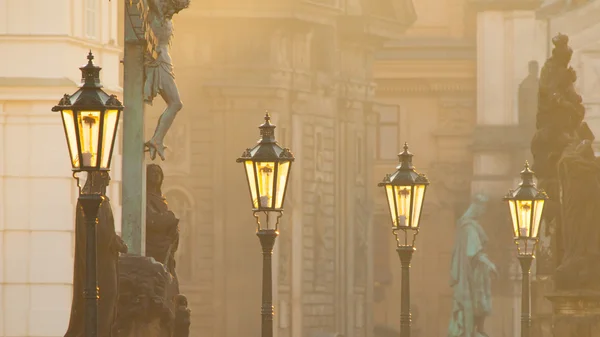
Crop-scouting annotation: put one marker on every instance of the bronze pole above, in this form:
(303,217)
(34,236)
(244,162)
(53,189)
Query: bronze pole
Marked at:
(525,261)
(267,241)
(90,203)
(405,253)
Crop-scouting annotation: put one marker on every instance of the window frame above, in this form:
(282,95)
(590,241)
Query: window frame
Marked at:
(380,108)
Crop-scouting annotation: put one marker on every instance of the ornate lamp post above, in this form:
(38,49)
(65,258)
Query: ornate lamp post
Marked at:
(526,205)
(90,119)
(405,191)
(267,169)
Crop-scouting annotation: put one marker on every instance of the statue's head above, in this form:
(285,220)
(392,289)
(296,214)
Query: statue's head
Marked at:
(534,68)
(154,177)
(477,208)
(562,52)
(175,6)
(180,300)
(480,204)
(96,182)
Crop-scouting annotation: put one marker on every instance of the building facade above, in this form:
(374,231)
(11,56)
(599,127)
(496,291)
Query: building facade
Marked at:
(42,44)
(310,64)
(452,89)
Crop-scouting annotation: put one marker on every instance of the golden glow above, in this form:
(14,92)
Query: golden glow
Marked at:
(389,191)
(524,214)
(69,124)
(537,216)
(251,182)
(266,180)
(89,132)
(108,134)
(402,195)
(513,214)
(282,176)
(419,196)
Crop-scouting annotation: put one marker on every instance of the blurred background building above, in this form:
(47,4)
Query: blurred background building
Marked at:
(347,83)
(42,43)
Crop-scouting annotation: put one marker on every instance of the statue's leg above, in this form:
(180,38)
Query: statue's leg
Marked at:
(479,325)
(170,94)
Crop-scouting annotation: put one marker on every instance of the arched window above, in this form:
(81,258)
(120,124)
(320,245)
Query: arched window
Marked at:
(180,202)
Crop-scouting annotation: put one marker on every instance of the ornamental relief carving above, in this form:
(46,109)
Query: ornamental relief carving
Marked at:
(449,181)
(456,117)
(179,149)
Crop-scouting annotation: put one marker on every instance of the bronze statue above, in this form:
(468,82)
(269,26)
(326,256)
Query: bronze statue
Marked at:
(109,245)
(158,71)
(470,275)
(162,226)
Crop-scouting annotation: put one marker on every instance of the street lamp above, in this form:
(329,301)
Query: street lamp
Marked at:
(267,170)
(90,118)
(526,205)
(405,191)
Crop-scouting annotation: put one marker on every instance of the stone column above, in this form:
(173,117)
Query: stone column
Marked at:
(505,44)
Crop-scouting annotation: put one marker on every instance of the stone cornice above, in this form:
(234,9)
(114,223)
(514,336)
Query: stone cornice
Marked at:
(503,5)
(500,137)
(428,49)
(424,86)
(365,23)
(425,69)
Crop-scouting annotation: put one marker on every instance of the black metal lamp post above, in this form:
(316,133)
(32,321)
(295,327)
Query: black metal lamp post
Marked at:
(405,191)
(526,205)
(267,169)
(90,119)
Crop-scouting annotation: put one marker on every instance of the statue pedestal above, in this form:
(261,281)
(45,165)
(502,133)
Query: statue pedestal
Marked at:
(576,313)
(541,308)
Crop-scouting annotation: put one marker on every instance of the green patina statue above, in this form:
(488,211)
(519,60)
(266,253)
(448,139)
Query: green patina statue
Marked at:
(470,275)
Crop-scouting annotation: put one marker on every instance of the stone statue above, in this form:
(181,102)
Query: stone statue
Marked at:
(528,95)
(109,245)
(470,275)
(162,226)
(143,307)
(561,147)
(181,326)
(579,179)
(158,68)
(149,299)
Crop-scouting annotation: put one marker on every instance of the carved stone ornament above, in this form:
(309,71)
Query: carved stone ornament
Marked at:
(286,154)
(65,101)
(567,168)
(113,101)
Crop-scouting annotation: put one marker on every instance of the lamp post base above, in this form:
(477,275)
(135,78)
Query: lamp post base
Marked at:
(90,204)
(267,241)
(405,253)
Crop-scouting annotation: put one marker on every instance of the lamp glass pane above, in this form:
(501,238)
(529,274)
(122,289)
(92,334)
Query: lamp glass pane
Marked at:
(538,207)
(88,123)
(282,180)
(111,118)
(250,175)
(524,212)
(403,196)
(512,204)
(389,192)
(71,135)
(266,179)
(419,196)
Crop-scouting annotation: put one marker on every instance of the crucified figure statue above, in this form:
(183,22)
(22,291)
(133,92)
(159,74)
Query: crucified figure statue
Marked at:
(158,69)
